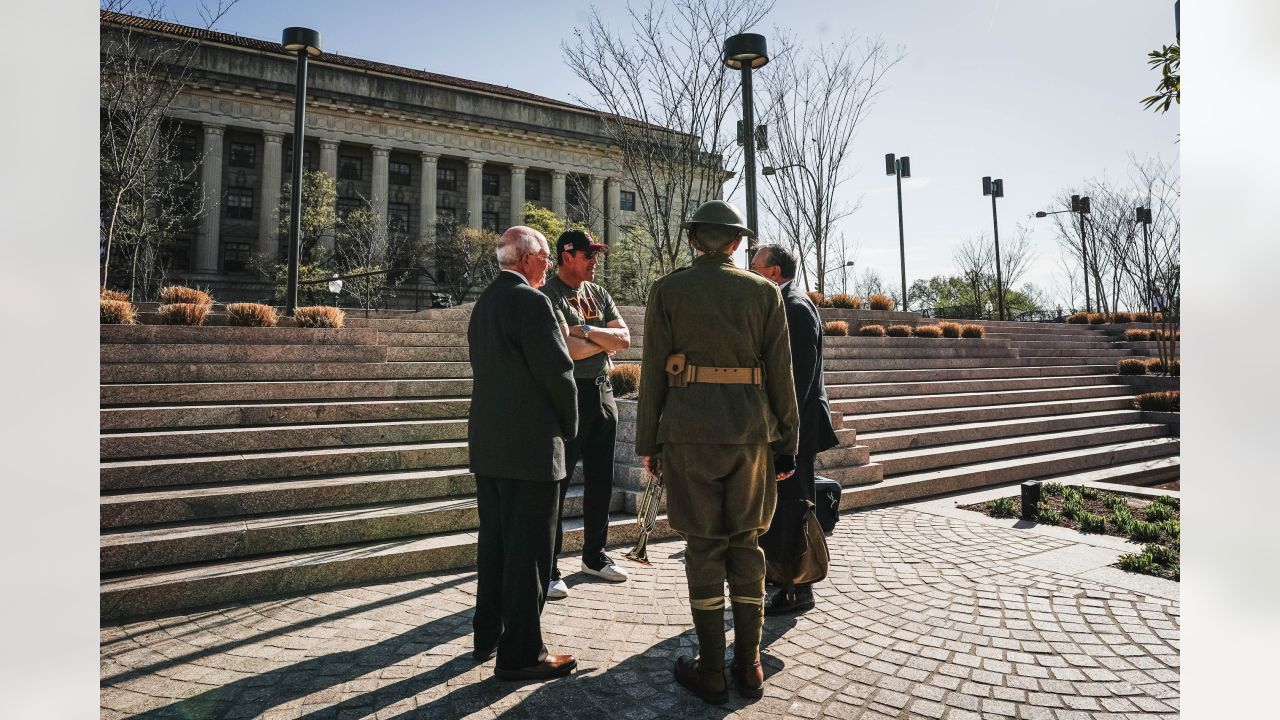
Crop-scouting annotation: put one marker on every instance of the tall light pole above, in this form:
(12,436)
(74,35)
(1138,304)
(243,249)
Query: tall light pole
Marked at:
(995,188)
(1143,215)
(746,52)
(1078,205)
(306,43)
(901,168)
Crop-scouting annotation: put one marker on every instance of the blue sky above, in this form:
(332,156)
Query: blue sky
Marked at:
(1041,93)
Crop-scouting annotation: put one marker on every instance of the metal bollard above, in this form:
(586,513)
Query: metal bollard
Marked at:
(1030,499)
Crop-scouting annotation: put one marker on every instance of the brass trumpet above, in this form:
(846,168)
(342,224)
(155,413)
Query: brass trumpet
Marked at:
(647,516)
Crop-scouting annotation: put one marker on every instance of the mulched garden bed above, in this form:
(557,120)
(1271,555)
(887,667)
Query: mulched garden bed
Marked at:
(1156,522)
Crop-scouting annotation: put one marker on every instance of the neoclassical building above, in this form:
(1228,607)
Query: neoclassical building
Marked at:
(421,148)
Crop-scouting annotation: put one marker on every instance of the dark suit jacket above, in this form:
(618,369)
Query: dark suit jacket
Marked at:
(524,403)
(816,431)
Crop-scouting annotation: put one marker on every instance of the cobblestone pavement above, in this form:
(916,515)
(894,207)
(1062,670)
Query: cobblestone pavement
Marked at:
(924,615)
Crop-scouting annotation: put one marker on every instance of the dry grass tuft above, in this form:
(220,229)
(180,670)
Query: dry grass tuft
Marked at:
(1166,401)
(319,316)
(118,312)
(1156,365)
(950,329)
(174,294)
(1132,366)
(846,301)
(251,315)
(1122,317)
(184,313)
(1078,318)
(105,294)
(625,378)
(835,328)
(816,298)
(881,302)
(898,331)
(973,330)
(871,331)
(1142,317)
(1137,334)
(929,331)
(1097,318)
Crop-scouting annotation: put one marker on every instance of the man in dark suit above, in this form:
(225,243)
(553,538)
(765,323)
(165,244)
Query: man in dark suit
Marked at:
(782,541)
(523,410)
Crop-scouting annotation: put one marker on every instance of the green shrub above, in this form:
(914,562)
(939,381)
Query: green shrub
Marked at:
(1047,515)
(1089,493)
(251,315)
(174,294)
(1169,500)
(183,313)
(1141,531)
(972,330)
(1122,519)
(1091,523)
(1078,318)
(881,302)
(1002,507)
(117,312)
(625,378)
(846,301)
(1158,513)
(1161,554)
(871,331)
(950,329)
(928,331)
(1114,502)
(319,316)
(1052,489)
(1131,366)
(1166,401)
(898,331)
(835,328)
(1073,509)
(1136,562)
(1173,529)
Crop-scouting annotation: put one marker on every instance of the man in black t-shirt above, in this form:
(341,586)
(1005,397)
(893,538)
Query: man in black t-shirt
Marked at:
(593,330)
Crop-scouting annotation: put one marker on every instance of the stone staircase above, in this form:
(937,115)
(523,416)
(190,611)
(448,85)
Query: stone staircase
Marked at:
(242,463)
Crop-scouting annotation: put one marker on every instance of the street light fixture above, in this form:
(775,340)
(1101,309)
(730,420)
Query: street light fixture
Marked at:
(900,168)
(305,42)
(746,52)
(1143,215)
(1078,205)
(335,287)
(995,188)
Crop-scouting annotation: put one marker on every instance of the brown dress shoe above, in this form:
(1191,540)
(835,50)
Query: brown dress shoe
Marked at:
(553,666)
(749,679)
(710,686)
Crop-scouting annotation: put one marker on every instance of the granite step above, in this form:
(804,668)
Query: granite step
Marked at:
(919,459)
(256,415)
(228,335)
(261,372)
(939,343)
(852,377)
(896,389)
(407,325)
(423,339)
(933,435)
(977,349)
(178,394)
(841,364)
(914,486)
(277,465)
(875,422)
(191,443)
(1144,472)
(864,406)
(1071,353)
(211,353)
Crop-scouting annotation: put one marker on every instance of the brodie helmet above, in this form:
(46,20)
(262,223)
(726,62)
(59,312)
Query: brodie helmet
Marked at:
(719,212)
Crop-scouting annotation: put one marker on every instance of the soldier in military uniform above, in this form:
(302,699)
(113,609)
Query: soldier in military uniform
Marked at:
(718,421)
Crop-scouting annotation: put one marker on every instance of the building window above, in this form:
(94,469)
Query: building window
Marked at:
(235,256)
(398,217)
(489,221)
(347,205)
(532,189)
(398,173)
(627,201)
(185,146)
(306,161)
(350,168)
(446,179)
(489,184)
(242,155)
(240,203)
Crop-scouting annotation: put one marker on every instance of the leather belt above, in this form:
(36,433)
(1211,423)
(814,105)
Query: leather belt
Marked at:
(680,373)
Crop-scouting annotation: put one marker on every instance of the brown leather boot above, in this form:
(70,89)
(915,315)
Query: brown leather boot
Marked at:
(710,685)
(749,679)
(748,624)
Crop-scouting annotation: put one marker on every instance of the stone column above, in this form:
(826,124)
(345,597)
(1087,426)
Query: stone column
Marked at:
(597,207)
(474,198)
(557,193)
(328,164)
(378,183)
(269,217)
(611,210)
(427,201)
(517,195)
(207,245)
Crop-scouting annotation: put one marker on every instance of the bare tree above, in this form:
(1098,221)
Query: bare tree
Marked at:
(665,97)
(145,191)
(464,259)
(815,100)
(974,260)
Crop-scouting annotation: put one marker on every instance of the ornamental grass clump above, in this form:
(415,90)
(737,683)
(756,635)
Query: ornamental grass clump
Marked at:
(898,331)
(1166,401)
(175,294)
(105,294)
(625,378)
(183,313)
(251,315)
(319,316)
(950,329)
(972,330)
(835,328)
(1156,365)
(1097,318)
(1122,317)
(846,301)
(871,331)
(816,298)
(117,312)
(1136,335)
(928,331)
(1078,318)
(881,302)
(1142,317)
(1131,366)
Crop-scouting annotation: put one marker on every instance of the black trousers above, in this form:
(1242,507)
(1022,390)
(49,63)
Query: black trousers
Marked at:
(782,541)
(517,528)
(597,432)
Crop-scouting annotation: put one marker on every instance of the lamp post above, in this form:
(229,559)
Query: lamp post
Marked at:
(1078,205)
(1143,216)
(995,188)
(305,42)
(746,52)
(335,287)
(900,168)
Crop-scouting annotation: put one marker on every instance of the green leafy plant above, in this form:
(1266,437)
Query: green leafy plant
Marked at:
(1046,514)
(835,328)
(871,331)
(1052,489)
(1158,512)
(928,331)
(117,312)
(881,302)
(846,301)
(973,330)
(1169,500)
(1091,523)
(1144,531)
(319,316)
(1136,563)
(1002,507)
(898,331)
(625,378)
(1089,493)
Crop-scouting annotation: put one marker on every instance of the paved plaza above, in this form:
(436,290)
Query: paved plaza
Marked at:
(928,612)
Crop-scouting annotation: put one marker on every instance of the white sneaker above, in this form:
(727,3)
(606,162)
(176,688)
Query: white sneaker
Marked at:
(609,572)
(557,590)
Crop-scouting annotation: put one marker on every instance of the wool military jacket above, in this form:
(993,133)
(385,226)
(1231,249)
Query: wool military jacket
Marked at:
(722,316)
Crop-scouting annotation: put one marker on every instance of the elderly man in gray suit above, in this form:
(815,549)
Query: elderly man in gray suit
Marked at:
(523,409)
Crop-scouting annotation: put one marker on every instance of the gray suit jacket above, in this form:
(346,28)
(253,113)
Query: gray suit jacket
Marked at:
(524,402)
